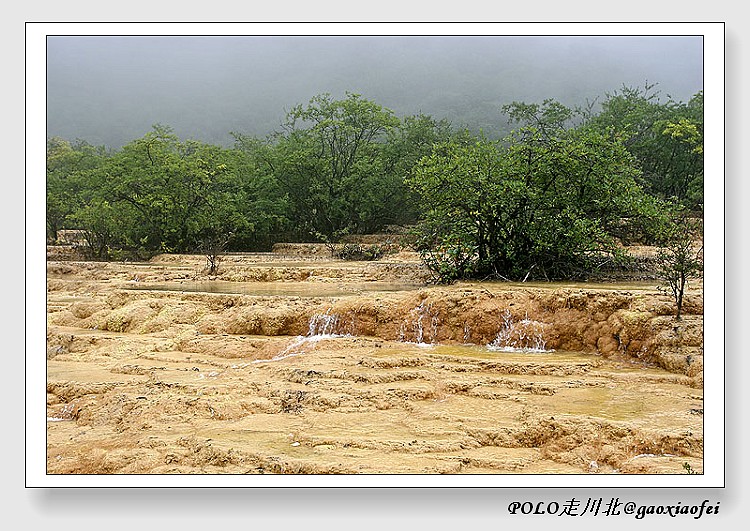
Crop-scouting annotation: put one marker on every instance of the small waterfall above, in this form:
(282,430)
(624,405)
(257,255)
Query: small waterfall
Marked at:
(525,335)
(66,413)
(320,326)
(421,327)
(467,333)
(323,324)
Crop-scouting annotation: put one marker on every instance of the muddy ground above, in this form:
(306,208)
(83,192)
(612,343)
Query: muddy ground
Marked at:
(293,362)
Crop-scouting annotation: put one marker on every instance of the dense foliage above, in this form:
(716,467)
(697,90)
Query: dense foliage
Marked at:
(666,140)
(551,200)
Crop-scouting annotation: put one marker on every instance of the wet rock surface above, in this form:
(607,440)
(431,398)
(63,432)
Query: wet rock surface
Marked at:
(299,365)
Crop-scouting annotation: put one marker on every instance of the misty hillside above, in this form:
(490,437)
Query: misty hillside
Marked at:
(110,90)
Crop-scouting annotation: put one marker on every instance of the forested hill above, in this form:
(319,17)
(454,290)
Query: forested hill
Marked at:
(111,90)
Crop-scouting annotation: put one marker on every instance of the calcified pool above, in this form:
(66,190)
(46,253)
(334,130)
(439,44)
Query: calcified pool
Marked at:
(323,377)
(341,404)
(276,289)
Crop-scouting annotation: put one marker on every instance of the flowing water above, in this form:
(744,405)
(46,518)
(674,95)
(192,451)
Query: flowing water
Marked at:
(276,289)
(344,376)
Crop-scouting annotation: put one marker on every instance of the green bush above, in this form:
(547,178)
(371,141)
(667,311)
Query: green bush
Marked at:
(359,252)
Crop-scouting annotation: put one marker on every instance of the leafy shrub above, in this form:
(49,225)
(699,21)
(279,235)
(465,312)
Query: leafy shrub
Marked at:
(359,252)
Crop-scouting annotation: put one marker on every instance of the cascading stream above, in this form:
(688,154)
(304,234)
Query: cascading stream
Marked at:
(421,328)
(525,335)
(320,326)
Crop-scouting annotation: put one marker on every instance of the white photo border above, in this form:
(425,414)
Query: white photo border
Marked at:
(714,283)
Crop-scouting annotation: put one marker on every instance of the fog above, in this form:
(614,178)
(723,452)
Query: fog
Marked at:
(109,90)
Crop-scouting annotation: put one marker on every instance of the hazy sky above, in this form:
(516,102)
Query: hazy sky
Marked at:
(110,90)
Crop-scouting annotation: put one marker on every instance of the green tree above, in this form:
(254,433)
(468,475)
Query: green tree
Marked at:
(665,137)
(545,203)
(69,166)
(104,226)
(680,257)
(327,162)
(172,193)
(264,203)
(413,138)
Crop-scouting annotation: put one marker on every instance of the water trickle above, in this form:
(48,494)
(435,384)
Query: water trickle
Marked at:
(66,413)
(320,326)
(467,333)
(323,324)
(525,335)
(421,327)
(293,349)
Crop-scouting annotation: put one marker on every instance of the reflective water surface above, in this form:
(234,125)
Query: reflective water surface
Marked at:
(276,289)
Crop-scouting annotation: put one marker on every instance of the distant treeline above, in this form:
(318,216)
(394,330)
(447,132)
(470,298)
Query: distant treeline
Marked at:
(566,185)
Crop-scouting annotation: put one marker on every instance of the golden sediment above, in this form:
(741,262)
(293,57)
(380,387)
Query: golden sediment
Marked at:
(306,365)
